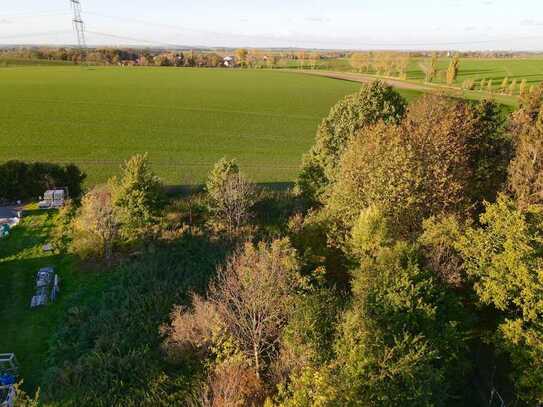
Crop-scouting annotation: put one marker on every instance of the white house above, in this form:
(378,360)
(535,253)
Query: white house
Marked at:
(229,61)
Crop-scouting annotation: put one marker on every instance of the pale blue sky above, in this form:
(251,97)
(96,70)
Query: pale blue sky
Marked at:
(362,24)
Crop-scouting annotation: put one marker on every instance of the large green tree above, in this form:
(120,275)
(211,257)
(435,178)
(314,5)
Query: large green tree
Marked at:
(374,102)
(504,259)
(400,342)
(137,194)
(446,156)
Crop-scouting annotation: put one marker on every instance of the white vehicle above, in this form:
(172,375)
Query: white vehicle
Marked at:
(53,198)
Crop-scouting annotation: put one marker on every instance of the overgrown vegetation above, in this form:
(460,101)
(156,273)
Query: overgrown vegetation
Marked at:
(404,270)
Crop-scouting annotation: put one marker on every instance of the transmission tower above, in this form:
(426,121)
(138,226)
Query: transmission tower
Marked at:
(79,25)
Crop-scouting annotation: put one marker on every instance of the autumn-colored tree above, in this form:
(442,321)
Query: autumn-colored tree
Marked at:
(301,59)
(374,102)
(96,226)
(248,304)
(359,61)
(403,65)
(431,68)
(526,168)
(454,68)
(241,56)
(513,87)
(505,85)
(490,86)
(418,169)
(523,88)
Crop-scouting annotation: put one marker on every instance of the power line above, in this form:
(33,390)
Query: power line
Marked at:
(32,15)
(78,24)
(28,35)
(136,40)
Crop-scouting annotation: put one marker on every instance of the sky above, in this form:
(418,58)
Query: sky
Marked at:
(337,24)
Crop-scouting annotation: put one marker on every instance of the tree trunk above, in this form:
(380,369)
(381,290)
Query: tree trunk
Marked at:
(257,360)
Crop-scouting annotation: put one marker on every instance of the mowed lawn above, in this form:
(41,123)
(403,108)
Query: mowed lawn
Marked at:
(186,119)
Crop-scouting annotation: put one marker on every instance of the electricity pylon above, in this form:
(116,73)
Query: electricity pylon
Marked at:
(79,26)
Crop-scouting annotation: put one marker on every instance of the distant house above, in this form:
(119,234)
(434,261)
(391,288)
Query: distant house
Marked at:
(229,61)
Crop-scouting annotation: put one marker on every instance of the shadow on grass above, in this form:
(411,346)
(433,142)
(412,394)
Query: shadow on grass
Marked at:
(186,190)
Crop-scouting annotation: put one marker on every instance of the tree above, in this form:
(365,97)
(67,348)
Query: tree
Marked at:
(417,169)
(373,103)
(503,257)
(430,68)
(403,65)
(251,299)
(526,168)
(359,61)
(490,86)
(218,176)
(482,84)
(513,87)
(237,198)
(241,56)
(523,88)
(96,226)
(400,342)
(137,194)
(452,71)
(231,196)
(505,85)
(301,59)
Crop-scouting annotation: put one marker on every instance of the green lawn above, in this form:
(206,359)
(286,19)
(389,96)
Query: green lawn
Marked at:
(25,331)
(186,119)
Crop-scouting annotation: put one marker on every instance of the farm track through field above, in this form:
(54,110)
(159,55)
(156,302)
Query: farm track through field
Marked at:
(356,77)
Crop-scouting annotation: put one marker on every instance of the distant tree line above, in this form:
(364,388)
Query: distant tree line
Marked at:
(21,180)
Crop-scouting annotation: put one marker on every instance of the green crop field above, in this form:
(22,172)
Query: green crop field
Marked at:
(476,69)
(186,119)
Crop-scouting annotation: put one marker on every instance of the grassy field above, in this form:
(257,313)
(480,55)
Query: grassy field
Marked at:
(496,69)
(24,331)
(476,69)
(186,119)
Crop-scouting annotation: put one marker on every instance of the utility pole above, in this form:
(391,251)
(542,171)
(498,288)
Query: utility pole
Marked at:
(79,26)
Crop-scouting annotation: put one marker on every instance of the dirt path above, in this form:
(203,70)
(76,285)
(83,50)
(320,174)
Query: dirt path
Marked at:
(357,77)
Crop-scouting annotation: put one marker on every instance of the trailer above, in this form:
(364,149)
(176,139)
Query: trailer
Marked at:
(47,287)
